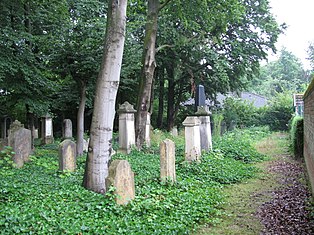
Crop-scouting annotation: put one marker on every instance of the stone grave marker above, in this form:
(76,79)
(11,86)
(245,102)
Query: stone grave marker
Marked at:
(147,130)
(67,155)
(192,139)
(67,129)
(167,161)
(121,178)
(20,139)
(126,127)
(47,130)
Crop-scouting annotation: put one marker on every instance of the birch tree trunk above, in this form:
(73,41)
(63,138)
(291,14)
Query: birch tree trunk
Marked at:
(80,119)
(96,169)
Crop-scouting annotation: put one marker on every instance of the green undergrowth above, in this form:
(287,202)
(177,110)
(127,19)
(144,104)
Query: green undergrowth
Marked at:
(38,199)
(239,144)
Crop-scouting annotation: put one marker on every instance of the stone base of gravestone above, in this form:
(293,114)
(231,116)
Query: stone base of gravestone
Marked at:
(67,156)
(205,133)
(167,161)
(20,139)
(126,127)
(121,178)
(192,139)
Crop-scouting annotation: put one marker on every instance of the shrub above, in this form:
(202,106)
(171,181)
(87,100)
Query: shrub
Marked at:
(6,155)
(296,136)
(279,112)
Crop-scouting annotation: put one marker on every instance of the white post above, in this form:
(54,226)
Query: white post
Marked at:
(126,127)
(147,130)
(192,139)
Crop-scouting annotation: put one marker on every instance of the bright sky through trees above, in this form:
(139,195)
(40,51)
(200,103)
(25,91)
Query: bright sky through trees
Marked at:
(298,17)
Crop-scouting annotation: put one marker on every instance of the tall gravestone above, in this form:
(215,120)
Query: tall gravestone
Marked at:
(67,129)
(126,127)
(202,111)
(121,178)
(192,139)
(167,161)
(67,155)
(20,139)
(147,130)
(47,130)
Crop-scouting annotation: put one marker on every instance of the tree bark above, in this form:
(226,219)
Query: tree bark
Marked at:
(161,100)
(80,119)
(170,99)
(148,69)
(99,149)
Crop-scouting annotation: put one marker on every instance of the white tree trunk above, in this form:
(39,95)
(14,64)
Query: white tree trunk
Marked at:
(96,169)
(80,120)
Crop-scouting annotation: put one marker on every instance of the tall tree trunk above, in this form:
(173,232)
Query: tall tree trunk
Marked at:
(148,69)
(99,149)
(30,120)
(161,101)
(80,119)
(170,99)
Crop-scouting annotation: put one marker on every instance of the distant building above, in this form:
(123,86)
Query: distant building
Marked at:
(257,100)
(298,104)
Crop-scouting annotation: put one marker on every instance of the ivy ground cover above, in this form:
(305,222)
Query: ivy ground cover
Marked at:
(38,199)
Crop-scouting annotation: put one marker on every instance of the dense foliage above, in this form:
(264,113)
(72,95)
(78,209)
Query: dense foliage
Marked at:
(38,199)
(296,136)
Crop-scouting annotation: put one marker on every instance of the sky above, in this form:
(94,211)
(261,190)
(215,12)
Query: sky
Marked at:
(298,15)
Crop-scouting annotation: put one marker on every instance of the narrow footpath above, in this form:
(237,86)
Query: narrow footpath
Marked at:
(278,201)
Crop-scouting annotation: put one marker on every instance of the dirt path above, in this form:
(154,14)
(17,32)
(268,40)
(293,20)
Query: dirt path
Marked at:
(276,202)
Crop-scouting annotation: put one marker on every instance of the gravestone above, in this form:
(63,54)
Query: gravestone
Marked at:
(126,127)
(67,155)
(36,134)
(167,161)
(46,130)
(67,129)
(85,145)
(174,131)
(20,139)
(121,178)
(147,130)
(200,98)
(192,139)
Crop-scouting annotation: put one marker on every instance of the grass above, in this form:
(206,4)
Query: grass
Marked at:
(243,199)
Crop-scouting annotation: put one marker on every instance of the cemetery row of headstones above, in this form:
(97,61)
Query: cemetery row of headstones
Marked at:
(197,139)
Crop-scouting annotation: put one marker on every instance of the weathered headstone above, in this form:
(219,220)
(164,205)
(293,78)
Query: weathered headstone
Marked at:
(67,129)
(147,130)
(205,133)
(67,155)
(85,145)
(167,161)
(174,131)
(121,178)
(192,139)
(200,98)
(35,134)
(47,130)
(20,139)
(126,127)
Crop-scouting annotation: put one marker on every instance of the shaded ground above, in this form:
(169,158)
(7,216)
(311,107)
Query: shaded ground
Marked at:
(277,202)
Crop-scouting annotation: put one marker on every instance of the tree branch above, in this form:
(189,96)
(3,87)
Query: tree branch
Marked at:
(163,5)
(163,46)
